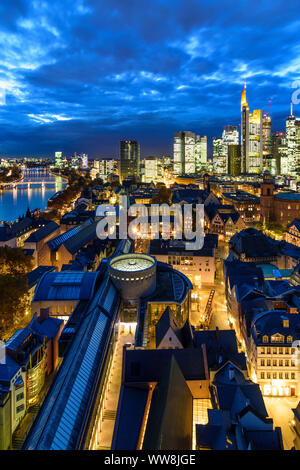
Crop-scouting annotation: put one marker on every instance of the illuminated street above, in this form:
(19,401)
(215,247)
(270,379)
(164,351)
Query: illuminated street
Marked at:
(280,409)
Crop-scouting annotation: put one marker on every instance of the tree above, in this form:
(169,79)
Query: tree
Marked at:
(13,261)
(14,304)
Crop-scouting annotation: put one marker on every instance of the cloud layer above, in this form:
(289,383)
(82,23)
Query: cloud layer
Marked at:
(80,75)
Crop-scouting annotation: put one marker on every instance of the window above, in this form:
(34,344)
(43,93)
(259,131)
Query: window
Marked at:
(265,339)
(262,350)
(280,363)
(20,396)
(262,362)
(262,375)
(293,376)
(287,363)
(20,408)
(289,339)
(274,375)
(275,363)
(268,375)
(286,375)
(268,362)
(280,350)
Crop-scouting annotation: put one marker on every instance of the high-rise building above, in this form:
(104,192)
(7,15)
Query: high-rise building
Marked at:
(58,159)
(244,129)
(255,162)
(184,153)
(151,170)
(200,152)
(219,157)
(129,159)
(251,137)
(293,143)
(230,136)
(269,161)
(234,159)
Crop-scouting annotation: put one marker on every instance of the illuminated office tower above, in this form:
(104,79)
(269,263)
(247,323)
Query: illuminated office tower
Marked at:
(293,143)
(184,153)
(269,161)
(219,157)
(279,152)
(244,130)
(230,136)
(151,170)
(255,162)
(129,159)
(234,159)
(58,159)
(84,162)
(200,152)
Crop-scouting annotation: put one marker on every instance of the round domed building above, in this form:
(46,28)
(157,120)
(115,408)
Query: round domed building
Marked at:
(133,274)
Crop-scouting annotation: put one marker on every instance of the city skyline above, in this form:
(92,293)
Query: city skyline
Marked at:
(105,75)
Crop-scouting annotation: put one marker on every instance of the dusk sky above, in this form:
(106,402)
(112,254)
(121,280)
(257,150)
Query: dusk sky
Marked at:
(80,75)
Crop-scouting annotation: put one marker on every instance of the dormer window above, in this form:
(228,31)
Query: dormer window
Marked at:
(265,339)
(285,323)
(289,339)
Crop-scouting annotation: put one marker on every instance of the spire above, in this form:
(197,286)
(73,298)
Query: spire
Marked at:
(243,97)
(291,108)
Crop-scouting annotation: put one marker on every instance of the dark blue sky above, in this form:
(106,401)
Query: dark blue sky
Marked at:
(82,74)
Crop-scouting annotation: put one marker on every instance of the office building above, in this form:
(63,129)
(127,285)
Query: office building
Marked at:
(200,152)
(151,169)
(129,159)
(234,159)
(184,153)
(293,143)
(58,159)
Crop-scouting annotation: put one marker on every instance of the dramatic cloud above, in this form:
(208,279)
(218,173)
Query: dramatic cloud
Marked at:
(80,75)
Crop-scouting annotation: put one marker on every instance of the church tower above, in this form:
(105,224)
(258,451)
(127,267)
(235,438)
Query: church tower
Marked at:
(266,198)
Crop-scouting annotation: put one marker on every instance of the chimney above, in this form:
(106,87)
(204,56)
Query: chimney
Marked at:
(44,314)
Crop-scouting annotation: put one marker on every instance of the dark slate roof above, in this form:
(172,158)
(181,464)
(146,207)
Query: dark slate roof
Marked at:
(66,285)
(76,238)
(130,414)
(7,232)
(165,247)
(49,327)
(239,272)
(42,232)
(254,244)
(271,322)
(169,426)
(265,440)
(221,346)
(148,365)
(35,275)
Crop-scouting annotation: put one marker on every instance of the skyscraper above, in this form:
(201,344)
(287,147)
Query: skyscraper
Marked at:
(251,137)
(129,159)
(58,159)
(293,143)
(244,130)
(255,161)
(219,157)
(200,152)
(184,153)
(234,159)
(269,161)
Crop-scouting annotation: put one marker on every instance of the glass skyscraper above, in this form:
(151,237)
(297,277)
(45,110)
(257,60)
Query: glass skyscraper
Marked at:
(129,159)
